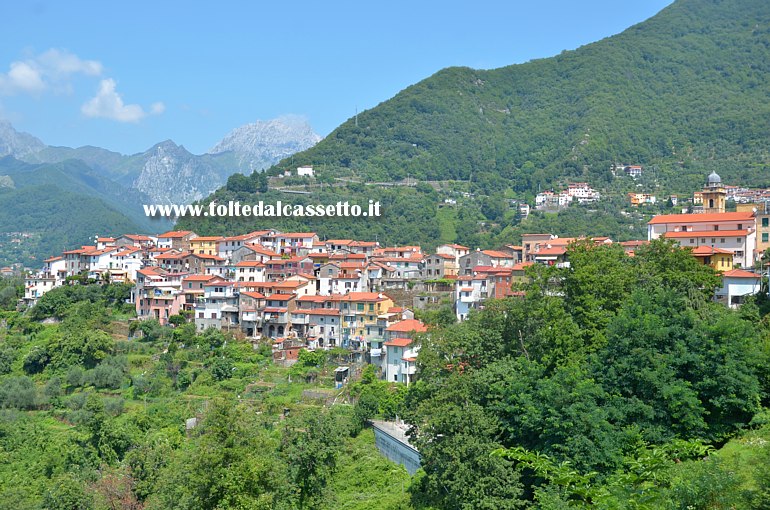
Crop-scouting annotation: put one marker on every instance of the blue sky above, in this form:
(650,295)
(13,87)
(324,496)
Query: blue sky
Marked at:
(126,75)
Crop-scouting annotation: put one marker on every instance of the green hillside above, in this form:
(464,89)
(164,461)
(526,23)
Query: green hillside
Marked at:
(683,94)
(685,90)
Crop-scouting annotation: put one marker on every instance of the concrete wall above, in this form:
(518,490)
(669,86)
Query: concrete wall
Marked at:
(391,441)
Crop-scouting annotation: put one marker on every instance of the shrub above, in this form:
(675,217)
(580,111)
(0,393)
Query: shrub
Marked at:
(18,393)
(36,360)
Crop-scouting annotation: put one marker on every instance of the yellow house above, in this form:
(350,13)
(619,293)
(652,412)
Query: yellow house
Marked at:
(359,310)
(205,245)
(720,260)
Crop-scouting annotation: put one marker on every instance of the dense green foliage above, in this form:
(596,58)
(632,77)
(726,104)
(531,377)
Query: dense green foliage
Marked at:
(62,205)
(685,86)
(92,420)
(601,370)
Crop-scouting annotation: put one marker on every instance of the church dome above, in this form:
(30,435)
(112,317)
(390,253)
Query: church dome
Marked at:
(713,179)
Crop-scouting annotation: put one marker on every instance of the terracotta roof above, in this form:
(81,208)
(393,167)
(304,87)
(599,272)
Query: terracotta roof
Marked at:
(466,289)
(398,342)
(258,248)
(323,311)
(522,265)
(249,263)
(396,309)
(105,239)
(175,234)
(633,243)
(408,325)
(281,297)
(706,233)
(199,278)
(555,250)
(740,273)
(457,246)
(496,254)
(136,237)
(361,296)
(50,259)
(410,360)
(274,309)
(345,256)
(683,219)
(443,256)
(314,299)
(255,295)
(206,239)
(297,234)
(221,283)
(709,250)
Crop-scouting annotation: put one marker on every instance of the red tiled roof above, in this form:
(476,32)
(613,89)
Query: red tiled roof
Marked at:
(175,234)
(398,342)
(314,299)
(408,325)
(496,254)
(281,297)
(683,219)
(709,250)
(255,295)
(740,273)
(361,296)
(522,265)
(297,235)
(249,263)
(204,239)
(322,311)
(199,278)
(555,250)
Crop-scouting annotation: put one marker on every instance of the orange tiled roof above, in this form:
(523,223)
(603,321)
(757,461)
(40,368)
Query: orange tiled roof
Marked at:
(408,325)
(398,342)
(175,234)
(740,273)
(683,219)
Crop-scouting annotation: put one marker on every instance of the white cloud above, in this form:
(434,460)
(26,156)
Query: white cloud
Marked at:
(52,68)
(108,104)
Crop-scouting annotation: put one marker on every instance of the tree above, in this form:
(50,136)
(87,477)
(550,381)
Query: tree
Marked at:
(310,448)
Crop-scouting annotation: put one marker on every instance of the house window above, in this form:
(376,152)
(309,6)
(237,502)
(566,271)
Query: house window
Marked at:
(200,315)
(766,222)
(703,240)
(740,226)
(764,237)
(713,240)
(722,240)
(692,241)
(360,307)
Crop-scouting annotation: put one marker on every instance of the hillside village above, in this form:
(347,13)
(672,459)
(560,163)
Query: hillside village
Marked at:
(302,292)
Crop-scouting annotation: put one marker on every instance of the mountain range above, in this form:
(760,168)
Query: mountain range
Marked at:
(116,186)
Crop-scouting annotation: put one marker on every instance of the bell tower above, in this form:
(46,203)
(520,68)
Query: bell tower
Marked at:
(714,194)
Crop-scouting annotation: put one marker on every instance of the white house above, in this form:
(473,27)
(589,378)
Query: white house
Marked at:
(732,231)
(736,285)
(219,307)
(305,171)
